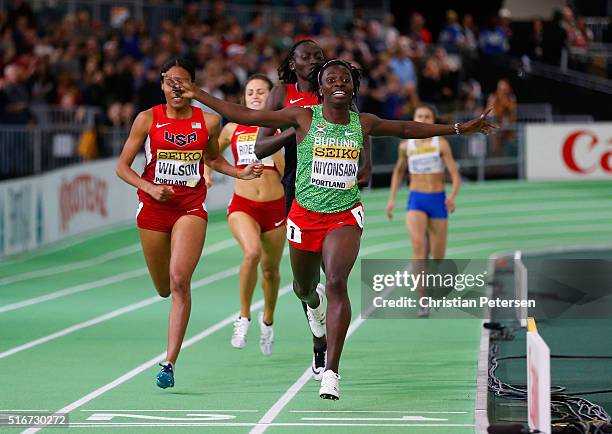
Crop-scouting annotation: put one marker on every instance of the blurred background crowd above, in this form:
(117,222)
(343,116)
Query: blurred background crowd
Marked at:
(69,59)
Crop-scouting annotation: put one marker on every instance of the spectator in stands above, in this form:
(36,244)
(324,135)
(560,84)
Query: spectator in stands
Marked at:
(430,81)
(451,36)
(41,83)
(554,39)
(536,39)
(504,106)
(420,37)
(13,97)
(583,35)
(493,39)
(401,65)
(68,95)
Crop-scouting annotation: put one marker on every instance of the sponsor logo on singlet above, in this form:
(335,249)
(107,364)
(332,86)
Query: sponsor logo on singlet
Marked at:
(178,167)
(334,162)
(180,139)
(245,149)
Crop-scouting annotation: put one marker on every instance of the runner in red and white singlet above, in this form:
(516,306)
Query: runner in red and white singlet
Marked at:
(256,217)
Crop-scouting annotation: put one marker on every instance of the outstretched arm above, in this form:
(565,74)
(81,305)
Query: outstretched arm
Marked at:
(376,126)
(267,143)
(235,112)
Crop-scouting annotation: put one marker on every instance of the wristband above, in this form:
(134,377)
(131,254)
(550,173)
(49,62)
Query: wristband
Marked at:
(456,126)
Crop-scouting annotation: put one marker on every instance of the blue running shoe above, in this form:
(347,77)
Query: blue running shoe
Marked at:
(165,378)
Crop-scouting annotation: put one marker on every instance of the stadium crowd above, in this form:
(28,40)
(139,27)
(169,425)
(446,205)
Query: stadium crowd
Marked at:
(115,65)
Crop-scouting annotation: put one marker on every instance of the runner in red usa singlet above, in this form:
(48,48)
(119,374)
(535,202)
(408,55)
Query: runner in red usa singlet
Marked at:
(174,151)
(171,215)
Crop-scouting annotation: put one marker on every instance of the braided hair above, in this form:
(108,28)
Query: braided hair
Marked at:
(285,73)
(317,75)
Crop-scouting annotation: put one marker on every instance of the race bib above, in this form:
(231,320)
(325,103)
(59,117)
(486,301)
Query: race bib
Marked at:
(245,147)
(178,167)
(334,166)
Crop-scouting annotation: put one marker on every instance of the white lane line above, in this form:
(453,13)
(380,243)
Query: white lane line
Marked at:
(526,197)
(152,362)
(161,410)
(248,424)
(92,262)
(63,244)
(376,419)
(476,233)
(24,410)
(109,256)
(377,411)
(74,289)
(113,314)
(510,208)
(103,282)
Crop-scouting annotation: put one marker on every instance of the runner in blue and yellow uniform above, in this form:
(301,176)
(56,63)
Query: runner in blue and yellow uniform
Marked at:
(327,218)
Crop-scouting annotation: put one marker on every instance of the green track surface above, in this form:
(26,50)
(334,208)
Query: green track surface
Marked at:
(393,371)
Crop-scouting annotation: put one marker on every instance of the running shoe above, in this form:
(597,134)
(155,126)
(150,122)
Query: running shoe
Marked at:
(319,358)
(165,377)
(241,328)
(423,312)
(266,339)
(330,386)
(316,316)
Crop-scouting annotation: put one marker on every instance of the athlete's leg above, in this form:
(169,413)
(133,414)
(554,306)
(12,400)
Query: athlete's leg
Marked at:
(306,268)
(416,223)
(188,235)
(272,251)
(247,232)
(340,250)
(438,234)
(156,249)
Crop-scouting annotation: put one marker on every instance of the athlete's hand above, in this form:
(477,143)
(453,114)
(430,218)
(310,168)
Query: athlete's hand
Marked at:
(161,193)
(185,88)
(478,125)
(450,204)
(390,206)
(252,171)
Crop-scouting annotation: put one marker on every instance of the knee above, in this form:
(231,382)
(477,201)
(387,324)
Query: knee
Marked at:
(252,256)
(164,292)
(271,275)
(418,248)
(336,285)
(180,283)
(301,291)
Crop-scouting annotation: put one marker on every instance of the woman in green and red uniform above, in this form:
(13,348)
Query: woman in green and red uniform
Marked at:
(327,218)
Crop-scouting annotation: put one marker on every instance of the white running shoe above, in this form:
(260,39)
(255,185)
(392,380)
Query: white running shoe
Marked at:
(241,328)
(316,316)
(266,340)
(319,358)
(330,385)
(423,312)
